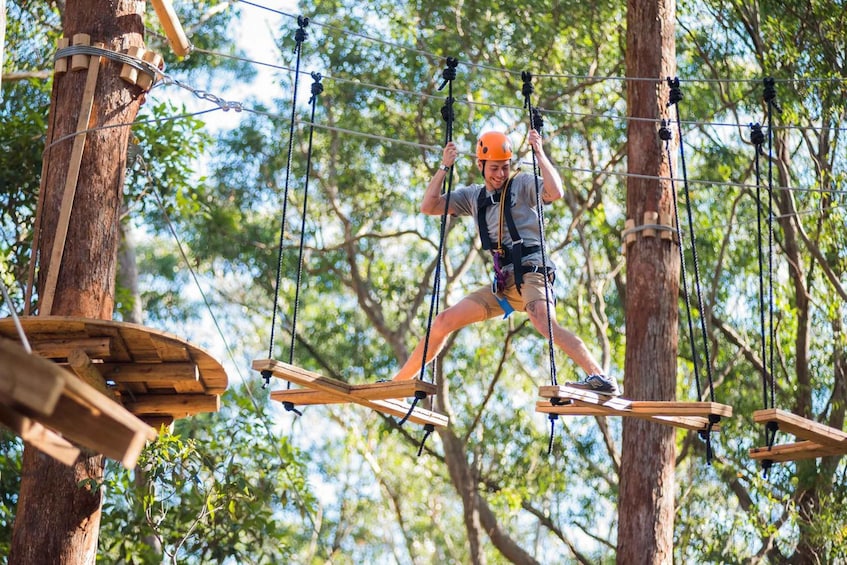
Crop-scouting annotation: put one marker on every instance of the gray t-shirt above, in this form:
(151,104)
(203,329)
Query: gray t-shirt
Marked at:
(464,202)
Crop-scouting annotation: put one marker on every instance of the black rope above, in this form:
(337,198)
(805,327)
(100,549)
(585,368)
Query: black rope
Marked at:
(428,429)
(419,395)
(770,98)
(317,88)
(536,122)
(449,75)
(552,418)
(674,97)
(300,36)
(757,138)
(665,135)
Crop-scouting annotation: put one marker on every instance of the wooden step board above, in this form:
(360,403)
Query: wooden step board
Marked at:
(74,409)
(820,440)
(383,397)
(158,376)
(578,402)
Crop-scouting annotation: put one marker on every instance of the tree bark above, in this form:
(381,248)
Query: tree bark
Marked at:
(58,514)
(646,506)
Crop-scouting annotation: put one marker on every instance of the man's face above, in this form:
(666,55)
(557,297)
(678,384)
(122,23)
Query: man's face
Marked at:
(495,173)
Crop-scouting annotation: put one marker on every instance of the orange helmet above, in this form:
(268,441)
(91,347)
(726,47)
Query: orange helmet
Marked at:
(493,146)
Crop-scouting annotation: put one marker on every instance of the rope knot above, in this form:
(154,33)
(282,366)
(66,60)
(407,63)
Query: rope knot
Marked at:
(266,374)
(770,93)
(537,120)
(447,111)
(317,87)
(428,429)
(289,407)
(449,72)
(664,131)
(301,35)
(527,87)
(757,136)
(676,92)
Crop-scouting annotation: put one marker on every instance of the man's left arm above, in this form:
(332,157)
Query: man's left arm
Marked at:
(552,186)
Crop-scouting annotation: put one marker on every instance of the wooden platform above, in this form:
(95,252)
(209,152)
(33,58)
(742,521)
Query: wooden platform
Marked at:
(155,375)
(384,397)
(818,440)
(38,398)
(569,401)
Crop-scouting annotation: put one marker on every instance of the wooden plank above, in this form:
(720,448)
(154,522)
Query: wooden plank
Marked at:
(802,428)
(794,451)
(681,408)
(564,391)
(177,405)
(342,390)
(154,374)
(52,277)
(574,409)
(29,380)
(94,347)
(81,365)
(38,436)
(375,391)
(307,397)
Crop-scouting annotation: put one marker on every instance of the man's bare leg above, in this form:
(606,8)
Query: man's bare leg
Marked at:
(463,313)
(566,340)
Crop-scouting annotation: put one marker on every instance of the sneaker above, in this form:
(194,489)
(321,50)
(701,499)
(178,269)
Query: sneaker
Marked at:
(601,384)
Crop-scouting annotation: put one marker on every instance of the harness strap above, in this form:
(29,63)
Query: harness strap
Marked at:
(514,253)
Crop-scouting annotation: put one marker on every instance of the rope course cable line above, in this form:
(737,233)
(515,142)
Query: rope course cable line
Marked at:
(594,78)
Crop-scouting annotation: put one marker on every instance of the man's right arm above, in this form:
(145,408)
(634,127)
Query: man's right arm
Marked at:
(433,201)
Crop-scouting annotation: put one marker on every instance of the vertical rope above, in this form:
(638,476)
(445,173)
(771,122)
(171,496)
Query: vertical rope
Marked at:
(317,88)
(449,75)
(757,138)
(300,37)
(665,135)
(675,97)
(536,122)
(770,97)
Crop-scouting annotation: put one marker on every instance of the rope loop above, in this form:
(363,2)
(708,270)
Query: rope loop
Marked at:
(419,395)
(301,34)
(769,95)
(675,92)
(428,429)
(449,73)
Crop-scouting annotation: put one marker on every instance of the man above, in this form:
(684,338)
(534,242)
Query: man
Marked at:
(512,235)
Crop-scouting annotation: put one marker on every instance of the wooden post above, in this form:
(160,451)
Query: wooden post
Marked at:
(73,173)
(2,42)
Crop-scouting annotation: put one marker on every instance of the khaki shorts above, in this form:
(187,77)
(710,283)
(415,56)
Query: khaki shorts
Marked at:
(532,289)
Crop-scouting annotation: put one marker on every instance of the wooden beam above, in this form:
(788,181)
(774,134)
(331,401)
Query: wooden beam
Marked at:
(794,451)
(625,406)
(802,428)
(176,375)
(29,380)
(572,409)
(81,365)
(38,436)
(173,29)
(94,347)
(177,405)
(343,392)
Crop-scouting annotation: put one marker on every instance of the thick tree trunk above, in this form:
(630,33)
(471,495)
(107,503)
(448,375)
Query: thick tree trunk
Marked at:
(58,514)
(645,510)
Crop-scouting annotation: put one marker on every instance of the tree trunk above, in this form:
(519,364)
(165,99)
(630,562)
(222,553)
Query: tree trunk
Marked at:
(646,507)
(58,514)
